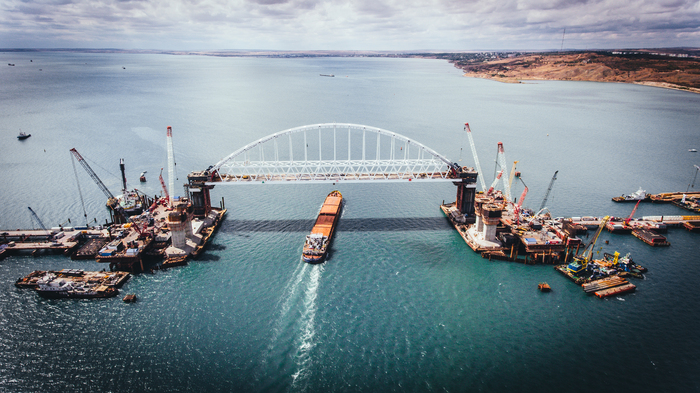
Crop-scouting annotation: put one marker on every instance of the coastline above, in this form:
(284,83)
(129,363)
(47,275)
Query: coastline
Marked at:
(515,80)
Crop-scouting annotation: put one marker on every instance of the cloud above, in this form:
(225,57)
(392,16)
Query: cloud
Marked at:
(339,24)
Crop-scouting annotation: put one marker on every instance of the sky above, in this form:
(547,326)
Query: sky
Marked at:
(381,25)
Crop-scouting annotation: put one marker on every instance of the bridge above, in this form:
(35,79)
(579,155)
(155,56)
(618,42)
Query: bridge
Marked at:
(332,152)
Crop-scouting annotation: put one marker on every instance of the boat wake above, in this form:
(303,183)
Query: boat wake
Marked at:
(289,350)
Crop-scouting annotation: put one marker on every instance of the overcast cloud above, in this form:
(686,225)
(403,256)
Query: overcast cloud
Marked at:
(348,25)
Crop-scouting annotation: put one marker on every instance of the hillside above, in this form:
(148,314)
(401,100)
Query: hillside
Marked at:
(641,67)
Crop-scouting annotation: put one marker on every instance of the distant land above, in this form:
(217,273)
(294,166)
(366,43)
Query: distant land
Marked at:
(674,68)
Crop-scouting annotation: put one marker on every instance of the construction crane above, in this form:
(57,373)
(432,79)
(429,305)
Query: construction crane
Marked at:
(520,202)
(580,262)
(476,158)
(38,220)
(549,189)
(495,181)
(165,189)
(512,173)
(171,165)
(501,155)
(627,221)
(111,200)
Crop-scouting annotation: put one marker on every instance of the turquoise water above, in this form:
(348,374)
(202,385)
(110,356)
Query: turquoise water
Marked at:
(402,304)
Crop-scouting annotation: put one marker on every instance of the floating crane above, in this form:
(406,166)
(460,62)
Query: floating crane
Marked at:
(476,158)
(580,262)
(111,200)
(549,189)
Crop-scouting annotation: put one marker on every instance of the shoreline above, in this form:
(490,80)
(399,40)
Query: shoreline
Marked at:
(514,80)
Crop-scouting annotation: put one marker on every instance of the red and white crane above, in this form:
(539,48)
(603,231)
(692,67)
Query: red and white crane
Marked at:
(165,189)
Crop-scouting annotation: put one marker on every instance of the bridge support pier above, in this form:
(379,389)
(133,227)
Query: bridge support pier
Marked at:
(466,193)
(199,193)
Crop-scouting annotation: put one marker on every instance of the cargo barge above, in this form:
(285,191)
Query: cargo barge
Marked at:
(74,283)
(317,242)
(650,238)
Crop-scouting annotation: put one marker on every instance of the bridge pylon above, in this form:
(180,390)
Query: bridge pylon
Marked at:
(199,192)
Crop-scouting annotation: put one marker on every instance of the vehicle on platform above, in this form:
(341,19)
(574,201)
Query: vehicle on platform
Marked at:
(317,242)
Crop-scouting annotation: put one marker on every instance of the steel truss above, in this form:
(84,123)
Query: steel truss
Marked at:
(341,153)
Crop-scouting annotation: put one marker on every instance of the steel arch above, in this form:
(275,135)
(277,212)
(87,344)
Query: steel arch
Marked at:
(403,159)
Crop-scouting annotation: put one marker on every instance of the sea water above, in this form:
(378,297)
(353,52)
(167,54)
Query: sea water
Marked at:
(402,304)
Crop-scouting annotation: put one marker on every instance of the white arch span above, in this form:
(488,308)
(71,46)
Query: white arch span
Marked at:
(332,152)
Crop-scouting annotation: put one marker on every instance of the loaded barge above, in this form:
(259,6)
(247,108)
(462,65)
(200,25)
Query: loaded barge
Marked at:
(74,283)
(317,242)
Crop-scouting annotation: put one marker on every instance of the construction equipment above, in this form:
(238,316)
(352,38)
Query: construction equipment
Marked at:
(112,202)
(476,158)
(38,220)
(501,160)
(549,189)
(165,189)
(516,211)
(512,173)
(627,221)
(580,261)
(493,185)
(171,165)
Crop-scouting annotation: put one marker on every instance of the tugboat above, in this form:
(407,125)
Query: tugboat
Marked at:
(23,136)
(544,287)
(316,245)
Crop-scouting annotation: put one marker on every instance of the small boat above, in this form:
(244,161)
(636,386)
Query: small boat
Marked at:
(22,135)
(10,64)
(328,75)
(317,242)
(143,176)
(544,287)
(130,298)
(693,150)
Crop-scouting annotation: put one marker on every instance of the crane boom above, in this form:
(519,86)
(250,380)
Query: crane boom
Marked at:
(476,158)
(92,173)
(588,251)
(498,177)
(546,195)
(171,164)
(36,217)
(502,164)
(165,189)
(627,221)
(512,172)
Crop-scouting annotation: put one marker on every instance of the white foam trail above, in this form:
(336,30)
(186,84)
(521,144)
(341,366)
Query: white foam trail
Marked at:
(288,298)
(307,331)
